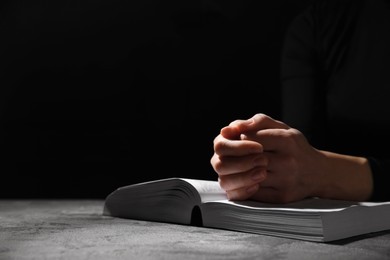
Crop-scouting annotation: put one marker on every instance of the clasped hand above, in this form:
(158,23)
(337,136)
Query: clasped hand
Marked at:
(266,160)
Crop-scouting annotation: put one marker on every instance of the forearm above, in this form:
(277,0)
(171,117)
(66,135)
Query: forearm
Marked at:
(344,177)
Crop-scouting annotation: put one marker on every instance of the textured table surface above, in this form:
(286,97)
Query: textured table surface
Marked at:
(76,229)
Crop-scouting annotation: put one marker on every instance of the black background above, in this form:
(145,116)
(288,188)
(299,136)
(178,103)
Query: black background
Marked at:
(100,94)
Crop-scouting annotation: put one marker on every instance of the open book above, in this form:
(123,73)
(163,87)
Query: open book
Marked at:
(204,203)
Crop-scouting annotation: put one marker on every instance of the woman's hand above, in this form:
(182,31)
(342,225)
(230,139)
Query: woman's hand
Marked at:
(264,159)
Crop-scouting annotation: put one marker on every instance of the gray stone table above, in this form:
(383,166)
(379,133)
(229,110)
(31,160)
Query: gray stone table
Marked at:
(76,229)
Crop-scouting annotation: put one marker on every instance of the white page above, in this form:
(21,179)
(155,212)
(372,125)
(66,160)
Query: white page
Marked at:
(208,190)
(307,205)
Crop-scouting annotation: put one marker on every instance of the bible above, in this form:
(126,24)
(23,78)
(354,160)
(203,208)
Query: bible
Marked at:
(203,203)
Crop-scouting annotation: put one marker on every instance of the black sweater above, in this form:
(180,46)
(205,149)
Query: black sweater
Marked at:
(336,81)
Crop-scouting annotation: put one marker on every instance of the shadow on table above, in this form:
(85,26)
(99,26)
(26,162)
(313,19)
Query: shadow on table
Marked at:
(360,237)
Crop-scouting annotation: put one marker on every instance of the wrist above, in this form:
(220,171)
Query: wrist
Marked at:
(344,177)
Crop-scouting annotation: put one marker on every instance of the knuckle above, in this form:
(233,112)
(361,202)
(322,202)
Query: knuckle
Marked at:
(289,134)
(261,117)
(218,166)
(220,146)
(293,134)
(224,184)
(236,195)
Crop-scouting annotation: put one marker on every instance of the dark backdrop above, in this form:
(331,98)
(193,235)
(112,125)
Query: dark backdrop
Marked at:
(100,94)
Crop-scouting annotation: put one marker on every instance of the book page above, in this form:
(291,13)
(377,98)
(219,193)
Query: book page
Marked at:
(164,200)
(208,190)
(311,219)
(306,205)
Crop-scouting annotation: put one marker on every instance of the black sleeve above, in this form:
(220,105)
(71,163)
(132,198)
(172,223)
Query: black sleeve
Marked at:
(304,73)
(381,178)
(303,98)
